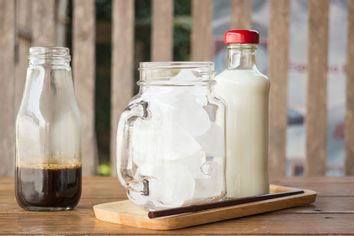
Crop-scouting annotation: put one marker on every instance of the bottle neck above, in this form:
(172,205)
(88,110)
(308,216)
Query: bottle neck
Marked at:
(49,62)
(49,56)
(241,56)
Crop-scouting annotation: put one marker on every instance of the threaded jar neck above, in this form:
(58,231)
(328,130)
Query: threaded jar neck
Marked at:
(49,55)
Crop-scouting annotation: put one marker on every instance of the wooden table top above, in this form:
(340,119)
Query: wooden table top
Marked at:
(332,213)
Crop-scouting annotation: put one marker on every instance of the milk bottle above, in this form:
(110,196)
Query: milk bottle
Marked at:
(245,91)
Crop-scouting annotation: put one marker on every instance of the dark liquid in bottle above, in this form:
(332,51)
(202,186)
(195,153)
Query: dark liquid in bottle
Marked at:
(48,186)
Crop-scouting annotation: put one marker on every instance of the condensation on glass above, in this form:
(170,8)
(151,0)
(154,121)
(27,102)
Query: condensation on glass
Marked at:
(48,161)
(171,137)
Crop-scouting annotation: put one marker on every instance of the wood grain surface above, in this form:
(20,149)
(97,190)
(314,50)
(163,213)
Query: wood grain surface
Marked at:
(7,86)
(332,213)
(43,23)
(126,213)
(241,14)
(316,117)
(202,35)
(122,65)
(84,78)
(162,30)
(23,37)
(349,122)
(278,41)
(21,70)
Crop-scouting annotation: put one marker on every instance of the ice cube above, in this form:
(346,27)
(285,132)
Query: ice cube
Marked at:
(145,138)
(213,141)
(213,186)
(191,117)
(160,95)
(138,198)
(183,105)
(146,170)
(158,140)
(193,163)
(175,142)
(176,114)
(171,185)
(184,75)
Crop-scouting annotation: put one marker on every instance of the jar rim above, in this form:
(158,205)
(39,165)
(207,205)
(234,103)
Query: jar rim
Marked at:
(162,73)
(208,65)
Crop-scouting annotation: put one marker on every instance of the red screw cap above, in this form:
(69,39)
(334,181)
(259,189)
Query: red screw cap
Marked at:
(241,37)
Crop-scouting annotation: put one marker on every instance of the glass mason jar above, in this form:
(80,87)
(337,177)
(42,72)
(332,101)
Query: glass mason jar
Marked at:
(171,137)
(48,162)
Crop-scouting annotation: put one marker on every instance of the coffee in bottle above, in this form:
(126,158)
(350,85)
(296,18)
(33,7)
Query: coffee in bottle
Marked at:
(48,162)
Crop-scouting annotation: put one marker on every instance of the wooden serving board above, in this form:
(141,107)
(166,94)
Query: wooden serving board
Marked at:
(126,213)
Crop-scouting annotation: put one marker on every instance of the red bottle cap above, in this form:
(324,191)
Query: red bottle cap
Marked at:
(241,37)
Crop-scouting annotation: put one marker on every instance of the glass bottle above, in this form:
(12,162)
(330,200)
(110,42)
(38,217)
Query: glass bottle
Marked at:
(245,91)
(171,138)
(48,162)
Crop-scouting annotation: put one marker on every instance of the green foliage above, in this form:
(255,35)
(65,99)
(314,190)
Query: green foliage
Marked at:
(142,9)
(182,29)
(104,10)
(182,7)
(142,35)
(181,43)
(104,169)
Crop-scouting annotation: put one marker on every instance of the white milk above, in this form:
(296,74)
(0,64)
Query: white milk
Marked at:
(245,92)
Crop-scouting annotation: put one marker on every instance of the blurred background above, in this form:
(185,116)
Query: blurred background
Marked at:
(182,22)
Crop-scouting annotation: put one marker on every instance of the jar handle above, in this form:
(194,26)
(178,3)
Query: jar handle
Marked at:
(124,148)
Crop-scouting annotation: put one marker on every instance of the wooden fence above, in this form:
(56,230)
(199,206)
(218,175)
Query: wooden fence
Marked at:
(31,22)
